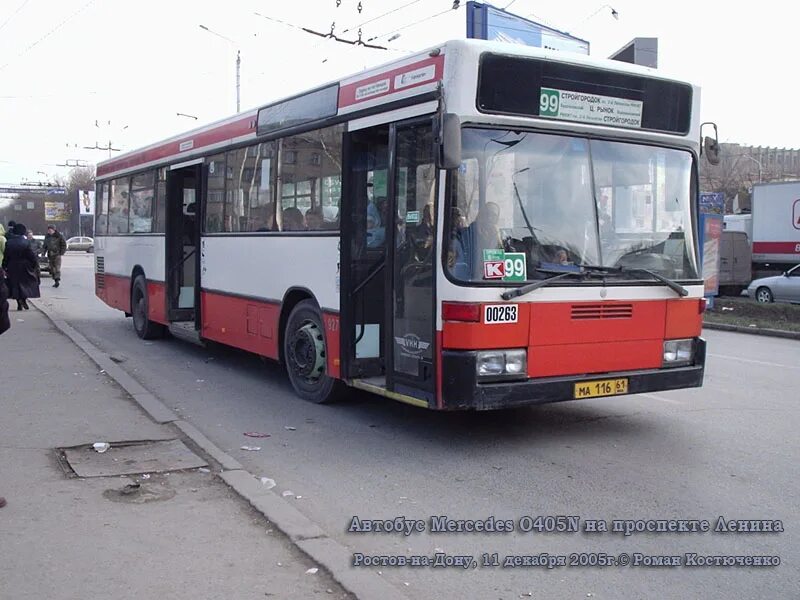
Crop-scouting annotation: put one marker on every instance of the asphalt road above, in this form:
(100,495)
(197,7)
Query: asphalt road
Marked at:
(728,449)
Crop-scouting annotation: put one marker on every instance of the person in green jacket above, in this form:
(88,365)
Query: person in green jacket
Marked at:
(2,242)
(56,246)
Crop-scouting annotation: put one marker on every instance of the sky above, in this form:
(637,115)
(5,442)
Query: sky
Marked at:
(77,73)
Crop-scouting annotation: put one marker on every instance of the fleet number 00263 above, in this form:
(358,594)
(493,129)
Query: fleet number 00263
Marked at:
(602,387)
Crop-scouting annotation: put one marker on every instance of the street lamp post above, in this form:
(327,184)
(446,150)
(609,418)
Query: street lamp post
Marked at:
(758,162)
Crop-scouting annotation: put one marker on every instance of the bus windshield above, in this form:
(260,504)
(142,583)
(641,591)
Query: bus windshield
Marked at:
(523,204)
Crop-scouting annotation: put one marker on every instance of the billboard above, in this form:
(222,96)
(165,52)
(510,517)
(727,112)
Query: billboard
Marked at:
(712,203)
(86,202)
(485,22)
(710,237)
(56,211)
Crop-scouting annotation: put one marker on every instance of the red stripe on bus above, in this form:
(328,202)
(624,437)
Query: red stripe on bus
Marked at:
(684,318)
(777,247)
(390,82)
(567,338)
(117,292)
(157,302)
(197,140)
(605,357)
(459,335)
(333,366)
(247,324)
(605,321)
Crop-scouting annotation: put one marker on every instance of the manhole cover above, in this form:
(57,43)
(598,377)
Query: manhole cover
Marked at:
(129,458)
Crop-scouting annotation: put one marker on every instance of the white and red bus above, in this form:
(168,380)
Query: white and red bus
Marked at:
(476,226)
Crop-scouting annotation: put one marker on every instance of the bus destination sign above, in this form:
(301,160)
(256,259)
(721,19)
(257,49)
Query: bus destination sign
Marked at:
(590,108)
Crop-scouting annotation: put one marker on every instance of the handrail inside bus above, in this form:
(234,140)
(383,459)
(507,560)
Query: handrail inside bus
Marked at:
(370,276)
(181,261)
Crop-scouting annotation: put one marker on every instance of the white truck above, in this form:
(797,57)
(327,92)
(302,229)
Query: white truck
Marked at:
(776,227)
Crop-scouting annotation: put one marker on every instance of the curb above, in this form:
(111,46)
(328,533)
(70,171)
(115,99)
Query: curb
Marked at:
(306,535)
(790,335)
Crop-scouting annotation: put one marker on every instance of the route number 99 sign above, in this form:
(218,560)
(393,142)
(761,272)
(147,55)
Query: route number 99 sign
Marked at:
(549,101)
(515,266)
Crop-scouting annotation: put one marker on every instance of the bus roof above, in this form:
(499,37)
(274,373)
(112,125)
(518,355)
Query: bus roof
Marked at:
(398,80)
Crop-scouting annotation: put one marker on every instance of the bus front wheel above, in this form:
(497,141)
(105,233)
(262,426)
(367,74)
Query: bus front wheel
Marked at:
(305,355)
(145,328)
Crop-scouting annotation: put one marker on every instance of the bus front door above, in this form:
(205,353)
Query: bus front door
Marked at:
(182,244)
(387,261)
(411,347)
(363,257)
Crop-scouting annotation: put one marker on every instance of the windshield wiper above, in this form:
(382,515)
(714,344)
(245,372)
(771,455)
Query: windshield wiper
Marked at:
(521,206)
(535,285)
(673,285)
(587,271)
(572,270)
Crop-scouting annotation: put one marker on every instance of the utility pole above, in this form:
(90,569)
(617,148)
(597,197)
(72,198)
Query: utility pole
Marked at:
(238,67)
(238,61)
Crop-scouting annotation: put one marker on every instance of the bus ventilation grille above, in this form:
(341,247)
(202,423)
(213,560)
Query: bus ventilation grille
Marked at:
(583,312)
(100,272)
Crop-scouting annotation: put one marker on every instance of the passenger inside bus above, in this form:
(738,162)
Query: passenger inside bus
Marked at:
(483,233)
(292,219)
(314,219)
(376,234)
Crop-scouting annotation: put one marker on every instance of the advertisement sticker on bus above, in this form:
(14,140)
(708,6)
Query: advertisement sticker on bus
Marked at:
(415,77)
(494,264)
(372,89)
(508,266)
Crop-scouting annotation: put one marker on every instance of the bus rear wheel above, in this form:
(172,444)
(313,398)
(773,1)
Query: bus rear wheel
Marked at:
(145,328)
(305,355)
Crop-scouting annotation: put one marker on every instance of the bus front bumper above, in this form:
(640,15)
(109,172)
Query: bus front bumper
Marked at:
(462,391)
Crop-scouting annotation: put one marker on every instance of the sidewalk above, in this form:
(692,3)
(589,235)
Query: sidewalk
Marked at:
(181,534)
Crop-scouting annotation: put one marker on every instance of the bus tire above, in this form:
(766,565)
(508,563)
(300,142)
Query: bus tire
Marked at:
(305,356)
(144,327)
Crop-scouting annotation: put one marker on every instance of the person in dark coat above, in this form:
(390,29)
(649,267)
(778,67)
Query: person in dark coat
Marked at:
(5,322)
(20,264)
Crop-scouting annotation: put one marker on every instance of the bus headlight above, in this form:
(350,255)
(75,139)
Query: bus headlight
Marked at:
(502,364)
(678,352)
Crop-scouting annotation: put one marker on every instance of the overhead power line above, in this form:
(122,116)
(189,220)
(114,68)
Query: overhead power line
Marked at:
(386,14)
(330,35)
(14,14)
(51,32)
(456,6)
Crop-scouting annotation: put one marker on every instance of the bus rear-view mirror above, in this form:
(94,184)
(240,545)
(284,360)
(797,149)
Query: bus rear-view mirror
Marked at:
(450,157)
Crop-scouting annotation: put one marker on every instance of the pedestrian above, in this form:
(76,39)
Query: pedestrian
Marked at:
(56,246)
(2,242)
(5,321)
(36,245)
(20,264)
(10,230)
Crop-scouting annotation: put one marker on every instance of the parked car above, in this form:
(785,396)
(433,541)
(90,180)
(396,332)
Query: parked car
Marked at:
(41,256)
(780,288)
(82,243)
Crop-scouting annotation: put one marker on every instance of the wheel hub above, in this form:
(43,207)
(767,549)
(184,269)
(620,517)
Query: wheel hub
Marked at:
(306,354)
